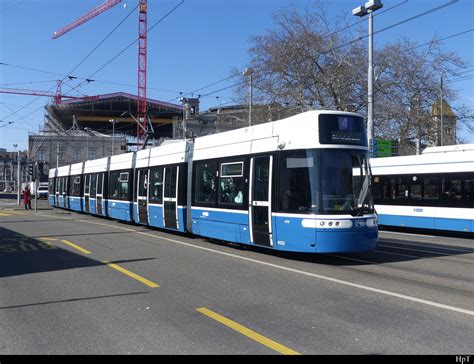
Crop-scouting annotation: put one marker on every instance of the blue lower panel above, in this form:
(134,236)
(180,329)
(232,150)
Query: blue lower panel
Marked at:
(408,221)
(51,200)
(93,207)
(454,224)
(220,230)
(75,203)
(346,241)
(464,225)
(120,210)
(156,217)
(224,225)
(289,235)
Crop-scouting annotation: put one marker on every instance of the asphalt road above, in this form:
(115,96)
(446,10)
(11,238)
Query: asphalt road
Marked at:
(77,284)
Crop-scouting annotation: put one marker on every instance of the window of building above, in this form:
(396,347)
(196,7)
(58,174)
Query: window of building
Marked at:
(41,155)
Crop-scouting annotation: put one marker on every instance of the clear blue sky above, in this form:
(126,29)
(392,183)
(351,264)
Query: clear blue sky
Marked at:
(195,46)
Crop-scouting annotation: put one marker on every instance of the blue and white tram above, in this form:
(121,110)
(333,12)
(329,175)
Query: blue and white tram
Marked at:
(298,184)
(433,190)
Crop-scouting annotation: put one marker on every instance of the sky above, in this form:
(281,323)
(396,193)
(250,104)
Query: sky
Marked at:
(195,46)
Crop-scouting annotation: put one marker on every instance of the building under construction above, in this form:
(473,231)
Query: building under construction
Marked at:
(99,126)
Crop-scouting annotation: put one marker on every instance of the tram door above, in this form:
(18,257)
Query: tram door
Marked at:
(100,193)
(142,195)
(170,197)
(260,200)
(87,179)
(56,191)
(65,188)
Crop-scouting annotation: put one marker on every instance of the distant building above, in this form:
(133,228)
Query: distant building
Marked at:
(9,168)
(73,146)
(223,118)
(445,134)
(96,127)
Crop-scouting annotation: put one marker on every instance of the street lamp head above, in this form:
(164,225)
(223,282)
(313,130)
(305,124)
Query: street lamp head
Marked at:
(247,72)
(360,11)
(373,5)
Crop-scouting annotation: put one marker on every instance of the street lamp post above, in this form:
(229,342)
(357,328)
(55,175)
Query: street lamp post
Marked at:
(249,72)
(361,11)
(18,174)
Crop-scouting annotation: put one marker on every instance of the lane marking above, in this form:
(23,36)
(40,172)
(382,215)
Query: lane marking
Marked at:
(82,250)
(3,214)
(48,239)
(411,234)
(297,271)
(467,250)
(247,332)
(15,212)
(132,275)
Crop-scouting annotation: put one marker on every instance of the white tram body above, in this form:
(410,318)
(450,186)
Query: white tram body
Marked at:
(297,184)
(433,190)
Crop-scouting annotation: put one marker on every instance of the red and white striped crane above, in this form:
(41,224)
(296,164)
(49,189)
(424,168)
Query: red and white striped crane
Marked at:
(142,53)
(56,96)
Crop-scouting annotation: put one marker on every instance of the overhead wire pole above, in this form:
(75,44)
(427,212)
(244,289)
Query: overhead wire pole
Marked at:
(142,53)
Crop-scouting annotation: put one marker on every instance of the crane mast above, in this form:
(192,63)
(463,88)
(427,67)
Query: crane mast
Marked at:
(142,55)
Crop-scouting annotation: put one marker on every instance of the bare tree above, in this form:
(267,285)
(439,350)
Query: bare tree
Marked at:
(308,61)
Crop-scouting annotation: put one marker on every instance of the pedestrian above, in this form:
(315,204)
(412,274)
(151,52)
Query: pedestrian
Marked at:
(27,198)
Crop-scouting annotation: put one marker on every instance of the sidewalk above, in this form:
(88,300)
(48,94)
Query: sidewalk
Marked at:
(11,204)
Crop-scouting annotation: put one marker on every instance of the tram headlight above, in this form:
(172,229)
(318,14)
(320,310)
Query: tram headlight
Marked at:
(371,222)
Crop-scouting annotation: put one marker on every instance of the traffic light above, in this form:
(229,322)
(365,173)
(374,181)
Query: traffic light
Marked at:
(31,170)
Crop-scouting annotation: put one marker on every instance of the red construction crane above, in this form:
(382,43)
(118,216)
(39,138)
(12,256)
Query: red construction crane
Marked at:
(56,96)
(142,52)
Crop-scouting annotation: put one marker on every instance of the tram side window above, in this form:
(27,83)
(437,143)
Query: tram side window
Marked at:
(298,192)
(51,186)
(452,192)
(231,183)
(86,183)
(431,190)
(119,186)
(156,185)
(75,187)
(469,191)
(205,186)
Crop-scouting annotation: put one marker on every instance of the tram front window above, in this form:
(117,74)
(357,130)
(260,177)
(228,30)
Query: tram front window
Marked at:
(330,181)
(345,183)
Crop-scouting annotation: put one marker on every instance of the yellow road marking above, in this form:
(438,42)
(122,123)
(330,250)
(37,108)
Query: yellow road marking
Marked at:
(15,212)
(247,332)
(82,250)
(132,275)
(2,214)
